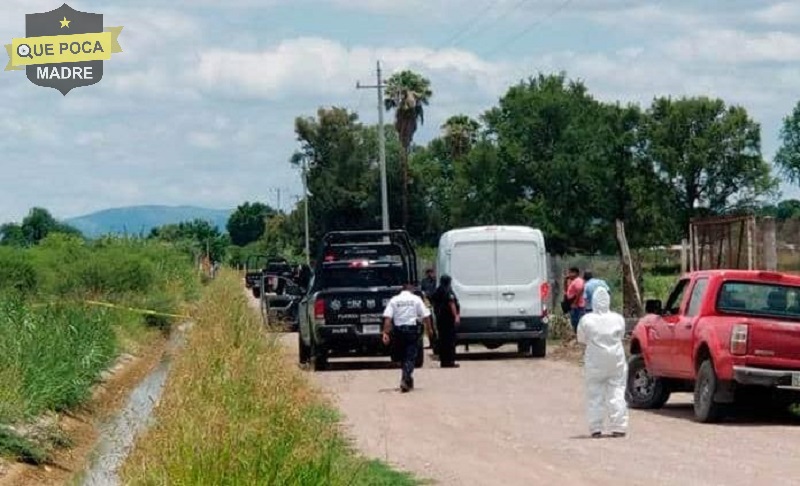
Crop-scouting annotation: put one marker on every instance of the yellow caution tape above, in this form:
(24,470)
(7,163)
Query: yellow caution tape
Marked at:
(115,306)
(132,309)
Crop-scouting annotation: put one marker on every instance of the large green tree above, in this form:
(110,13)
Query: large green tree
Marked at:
(197,237)
(407,93)
(35,227)
(787,159)
(11,234)
(339,170)
(709,153)
(248,222)
(543,132)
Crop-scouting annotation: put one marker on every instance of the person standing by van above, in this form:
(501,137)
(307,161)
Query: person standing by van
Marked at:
(591,283)
(575,297)
(402,315)
(428,284)
(446,309)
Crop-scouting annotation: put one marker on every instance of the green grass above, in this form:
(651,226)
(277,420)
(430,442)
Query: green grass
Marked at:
(51,356)
(53,347)
(20,449)
(236,411)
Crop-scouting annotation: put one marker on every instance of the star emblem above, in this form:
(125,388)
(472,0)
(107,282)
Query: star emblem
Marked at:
(65,23)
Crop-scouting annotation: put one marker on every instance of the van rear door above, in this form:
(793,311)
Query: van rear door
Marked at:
(520,275)
(472,267)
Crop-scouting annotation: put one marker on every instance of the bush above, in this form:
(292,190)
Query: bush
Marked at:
(17,272)
(560,328)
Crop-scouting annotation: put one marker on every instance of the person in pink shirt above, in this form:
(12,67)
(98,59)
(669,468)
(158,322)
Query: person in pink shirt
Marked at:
(575,297)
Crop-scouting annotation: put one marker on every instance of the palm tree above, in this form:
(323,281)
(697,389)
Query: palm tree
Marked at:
(460,134)
(407,93)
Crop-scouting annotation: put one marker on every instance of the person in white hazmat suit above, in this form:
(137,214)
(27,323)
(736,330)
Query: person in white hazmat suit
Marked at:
(605,366)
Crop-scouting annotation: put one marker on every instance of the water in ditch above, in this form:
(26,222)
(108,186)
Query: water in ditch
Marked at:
(118,434)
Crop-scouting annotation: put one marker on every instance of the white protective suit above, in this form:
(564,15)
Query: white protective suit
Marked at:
(605,367)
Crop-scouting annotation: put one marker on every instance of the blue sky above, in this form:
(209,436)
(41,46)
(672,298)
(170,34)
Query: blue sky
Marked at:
(200,106)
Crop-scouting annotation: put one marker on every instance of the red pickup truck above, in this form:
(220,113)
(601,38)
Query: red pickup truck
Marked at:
(726,336)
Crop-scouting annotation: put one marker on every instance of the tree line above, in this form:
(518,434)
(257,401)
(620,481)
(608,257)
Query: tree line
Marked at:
(549,155)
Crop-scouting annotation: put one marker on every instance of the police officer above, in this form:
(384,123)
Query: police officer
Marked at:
(404,311)
(446,308)
(428,283)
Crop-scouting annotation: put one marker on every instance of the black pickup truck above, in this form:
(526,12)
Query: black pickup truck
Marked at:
(254,267)
(357,272)
(261,267)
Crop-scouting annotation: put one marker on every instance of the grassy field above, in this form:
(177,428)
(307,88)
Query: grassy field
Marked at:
(236,411)
(53,346)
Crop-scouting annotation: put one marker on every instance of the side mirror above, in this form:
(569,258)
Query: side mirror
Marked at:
(653,306)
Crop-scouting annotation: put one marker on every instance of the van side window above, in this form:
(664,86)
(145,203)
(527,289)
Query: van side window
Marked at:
(673,306)
(696,299)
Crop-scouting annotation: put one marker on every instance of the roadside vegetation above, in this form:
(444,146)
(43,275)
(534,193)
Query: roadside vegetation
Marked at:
(53,345)
(235,411)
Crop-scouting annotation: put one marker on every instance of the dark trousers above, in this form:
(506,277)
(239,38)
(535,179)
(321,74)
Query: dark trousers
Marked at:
(447,341)
(407,339)
(575,315)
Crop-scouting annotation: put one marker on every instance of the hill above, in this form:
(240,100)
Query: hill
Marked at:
(134,220)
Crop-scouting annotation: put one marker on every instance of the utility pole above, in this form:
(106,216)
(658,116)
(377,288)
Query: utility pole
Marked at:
(305,207)
(381,147)
(277,191)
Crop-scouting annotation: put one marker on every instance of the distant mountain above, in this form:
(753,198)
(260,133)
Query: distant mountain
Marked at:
(134,220)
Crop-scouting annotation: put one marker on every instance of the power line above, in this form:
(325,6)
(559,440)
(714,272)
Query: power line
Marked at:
(563,5)
(468,26)
(451,42)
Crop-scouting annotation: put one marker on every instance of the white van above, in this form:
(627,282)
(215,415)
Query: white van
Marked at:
(500,278)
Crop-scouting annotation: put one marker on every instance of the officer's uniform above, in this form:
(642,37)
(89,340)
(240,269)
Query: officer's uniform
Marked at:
(446,324)
(406,310)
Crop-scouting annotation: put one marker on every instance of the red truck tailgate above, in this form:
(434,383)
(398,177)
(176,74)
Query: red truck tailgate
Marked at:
(773,343)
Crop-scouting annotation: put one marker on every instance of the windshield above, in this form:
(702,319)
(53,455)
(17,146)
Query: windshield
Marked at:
(362,277)
(760,299)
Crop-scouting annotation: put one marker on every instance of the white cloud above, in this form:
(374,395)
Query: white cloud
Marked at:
(735,47)
(322,66)
(205,140)
(783,13)
(648,15)
(94,139)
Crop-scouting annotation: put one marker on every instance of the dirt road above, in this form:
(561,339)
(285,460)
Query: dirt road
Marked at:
(504,420)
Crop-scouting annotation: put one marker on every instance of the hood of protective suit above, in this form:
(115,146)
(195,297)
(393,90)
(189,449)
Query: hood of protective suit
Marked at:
(601,301)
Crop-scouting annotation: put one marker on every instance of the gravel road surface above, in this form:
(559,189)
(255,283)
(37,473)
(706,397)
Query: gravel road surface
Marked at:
(505,420)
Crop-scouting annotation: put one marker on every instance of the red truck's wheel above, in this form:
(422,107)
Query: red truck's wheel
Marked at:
(644,391)
(705,408)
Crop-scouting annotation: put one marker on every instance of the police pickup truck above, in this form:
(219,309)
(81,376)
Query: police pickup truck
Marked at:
(357,272)
(254,268)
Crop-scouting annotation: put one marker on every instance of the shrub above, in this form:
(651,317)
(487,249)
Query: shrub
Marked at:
(17,272)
